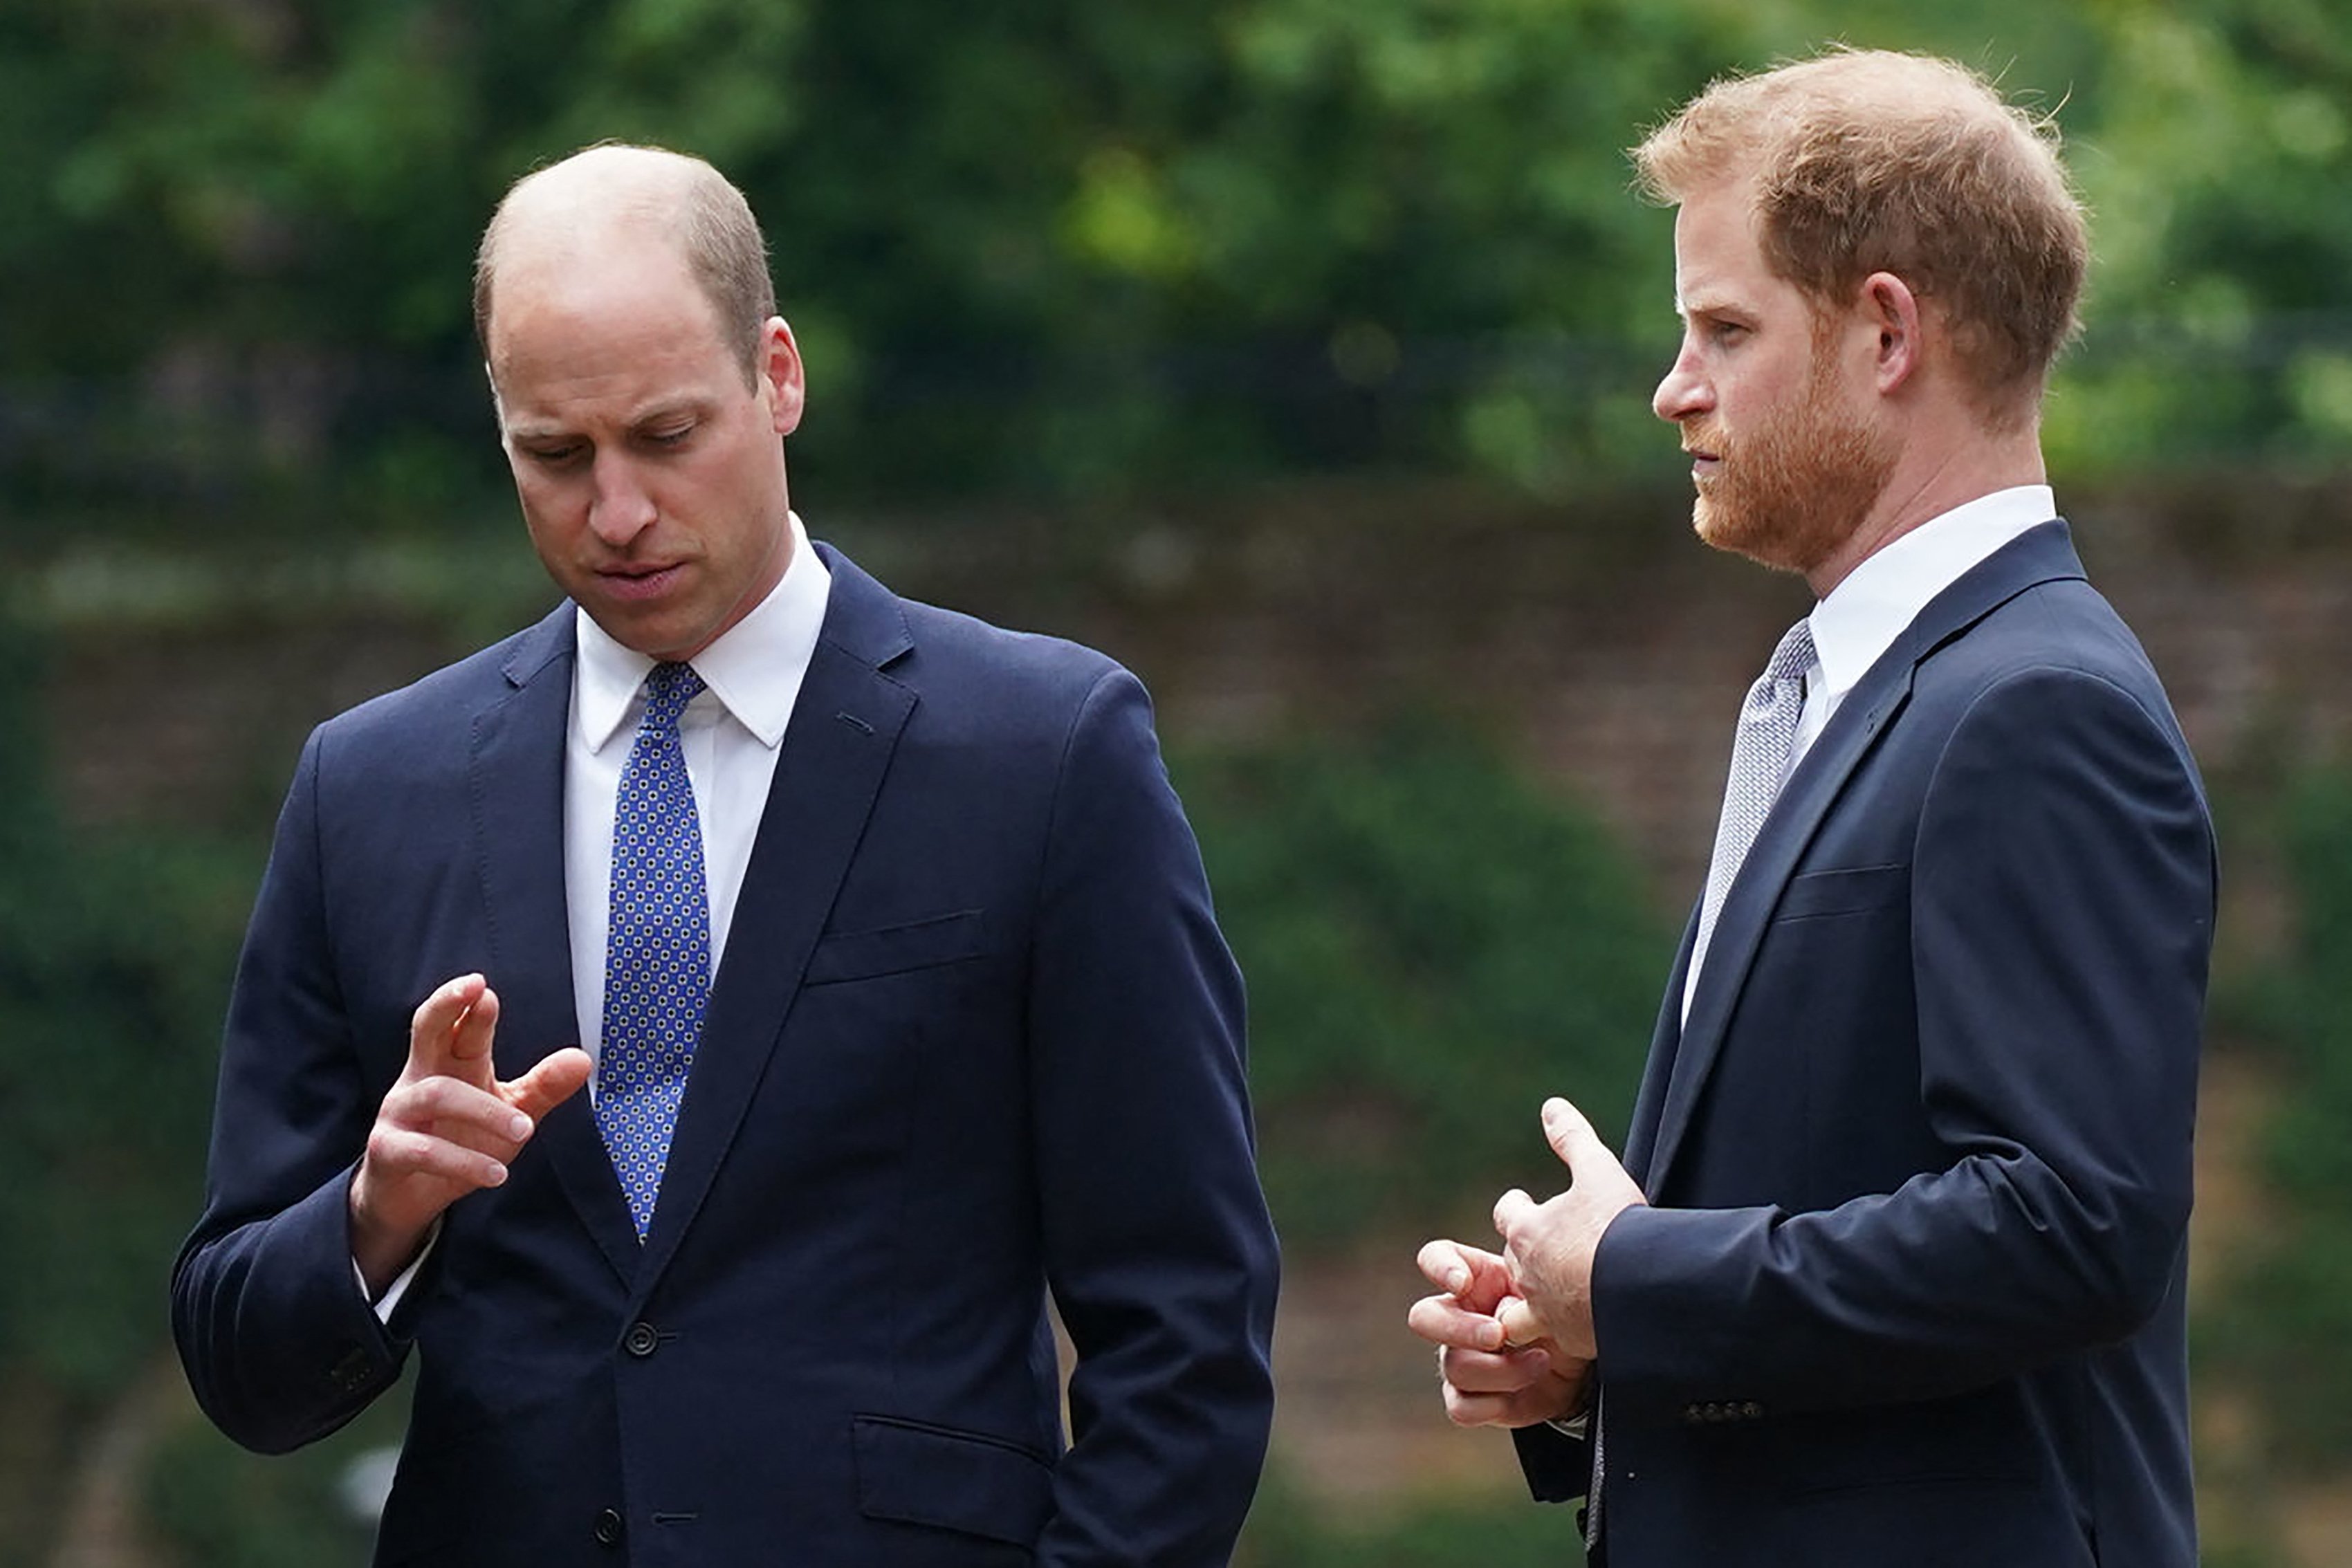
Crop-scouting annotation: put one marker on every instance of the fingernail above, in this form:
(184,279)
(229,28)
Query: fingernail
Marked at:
(519,1127)
(1458,1278)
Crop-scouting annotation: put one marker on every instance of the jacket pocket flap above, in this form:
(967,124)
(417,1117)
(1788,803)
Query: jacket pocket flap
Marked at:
(923,1474)
(860,955)
(1850,891)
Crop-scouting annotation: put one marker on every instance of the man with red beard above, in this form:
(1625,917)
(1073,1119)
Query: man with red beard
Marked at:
(1892,1267)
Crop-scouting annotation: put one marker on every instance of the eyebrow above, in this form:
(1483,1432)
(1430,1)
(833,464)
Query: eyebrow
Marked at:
(691,406)
(1718,305)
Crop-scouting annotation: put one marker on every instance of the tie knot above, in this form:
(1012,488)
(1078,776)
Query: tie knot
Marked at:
(1794,655)
(669,689)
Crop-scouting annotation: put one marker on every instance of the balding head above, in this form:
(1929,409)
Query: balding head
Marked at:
(610,197)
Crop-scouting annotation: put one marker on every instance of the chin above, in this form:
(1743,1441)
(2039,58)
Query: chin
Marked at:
(1743,536)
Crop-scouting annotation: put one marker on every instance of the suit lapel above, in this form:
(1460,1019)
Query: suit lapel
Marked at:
(1818,781)
(1657,1070)
(518,793)
(836,751)
(2040,555)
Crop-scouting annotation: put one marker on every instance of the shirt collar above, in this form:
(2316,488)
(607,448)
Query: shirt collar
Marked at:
(755,668)
(1866,613)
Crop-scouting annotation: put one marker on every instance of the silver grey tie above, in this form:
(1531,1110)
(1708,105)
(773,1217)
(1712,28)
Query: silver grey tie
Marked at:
(1759,757)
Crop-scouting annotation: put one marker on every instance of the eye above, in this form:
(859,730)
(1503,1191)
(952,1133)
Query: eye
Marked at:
(669,437)
(563,454)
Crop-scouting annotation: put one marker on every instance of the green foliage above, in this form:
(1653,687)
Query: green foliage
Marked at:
(2290,1320)
(219,1507)
(108,967)
(1046,244)
(1432,946)
(109,961)
(1287,1531)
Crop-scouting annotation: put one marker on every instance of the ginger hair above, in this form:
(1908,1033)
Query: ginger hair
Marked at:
(1868,161)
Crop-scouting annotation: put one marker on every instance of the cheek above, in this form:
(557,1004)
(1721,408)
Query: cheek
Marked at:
(548,514)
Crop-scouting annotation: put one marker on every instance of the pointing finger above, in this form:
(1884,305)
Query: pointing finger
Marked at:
(436,1017)
(469,1042)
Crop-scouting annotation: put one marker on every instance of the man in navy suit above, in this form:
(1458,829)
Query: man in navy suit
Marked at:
(972,1042)
(1893,1269)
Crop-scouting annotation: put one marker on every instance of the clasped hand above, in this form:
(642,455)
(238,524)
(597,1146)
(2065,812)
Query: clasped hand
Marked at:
(448,1127)
(1514,1330)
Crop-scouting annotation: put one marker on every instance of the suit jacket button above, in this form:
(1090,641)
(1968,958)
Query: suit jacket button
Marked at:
(351,1374)
(1693,1413)
(641,1340)
(608,1528)
(1752,1410)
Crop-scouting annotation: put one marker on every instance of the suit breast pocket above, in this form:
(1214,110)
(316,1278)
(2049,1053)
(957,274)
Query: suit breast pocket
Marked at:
(1848,890)
(897,949)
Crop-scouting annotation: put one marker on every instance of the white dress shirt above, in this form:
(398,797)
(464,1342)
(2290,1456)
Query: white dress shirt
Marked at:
(732,733)
(1879,599)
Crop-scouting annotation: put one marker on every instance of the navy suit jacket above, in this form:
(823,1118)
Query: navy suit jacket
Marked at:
(1913,1290)
(974,1036)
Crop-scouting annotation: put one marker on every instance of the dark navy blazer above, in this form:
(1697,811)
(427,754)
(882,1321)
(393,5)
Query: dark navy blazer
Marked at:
(1913,1292)
(974,1037)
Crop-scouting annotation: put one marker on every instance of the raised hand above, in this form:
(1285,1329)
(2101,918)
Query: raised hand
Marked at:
(1548,1247)
(448,1127)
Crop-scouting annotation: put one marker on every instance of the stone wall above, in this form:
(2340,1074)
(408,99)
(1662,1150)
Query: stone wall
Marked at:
(1611,655)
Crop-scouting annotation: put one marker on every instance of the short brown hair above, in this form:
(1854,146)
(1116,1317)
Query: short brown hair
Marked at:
(1869,161)
(715,230)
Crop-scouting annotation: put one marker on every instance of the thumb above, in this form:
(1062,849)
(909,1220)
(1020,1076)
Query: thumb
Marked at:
(555,1079)
(1570,1135)
(1521,1325)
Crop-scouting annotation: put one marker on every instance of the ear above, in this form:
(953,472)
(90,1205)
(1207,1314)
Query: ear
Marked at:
(782,382)
(1892,312)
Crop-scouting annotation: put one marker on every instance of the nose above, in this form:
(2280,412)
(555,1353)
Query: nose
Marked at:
(1684,392)
(620,510)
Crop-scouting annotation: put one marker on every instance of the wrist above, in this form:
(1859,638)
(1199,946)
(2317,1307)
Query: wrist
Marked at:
(379,1249)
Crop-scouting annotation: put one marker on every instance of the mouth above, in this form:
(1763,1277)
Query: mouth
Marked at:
(638,580)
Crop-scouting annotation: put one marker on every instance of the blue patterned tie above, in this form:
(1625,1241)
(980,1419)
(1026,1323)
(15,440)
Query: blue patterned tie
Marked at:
(658,948)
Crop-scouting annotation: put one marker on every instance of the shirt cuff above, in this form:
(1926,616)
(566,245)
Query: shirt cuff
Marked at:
(385,1304)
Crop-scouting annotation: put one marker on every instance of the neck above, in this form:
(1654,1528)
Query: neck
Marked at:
(1929,479)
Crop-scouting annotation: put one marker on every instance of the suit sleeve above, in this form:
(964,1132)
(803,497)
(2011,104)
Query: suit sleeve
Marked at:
(279,1343)
(1159,1249)
(2061,902)
(1559,1466)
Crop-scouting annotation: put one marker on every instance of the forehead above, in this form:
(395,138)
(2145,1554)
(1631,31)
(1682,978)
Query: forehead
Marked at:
(614,320)
(1718,257)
